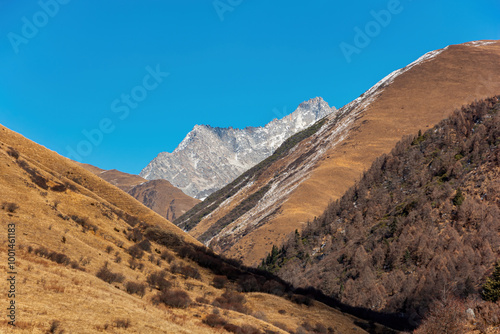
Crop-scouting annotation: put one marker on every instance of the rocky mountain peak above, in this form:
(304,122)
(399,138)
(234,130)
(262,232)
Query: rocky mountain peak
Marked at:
(210,157)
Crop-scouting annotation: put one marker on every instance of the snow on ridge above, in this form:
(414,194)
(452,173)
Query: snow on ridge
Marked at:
(369,96)
(280,189)
(279,192)
(480,43)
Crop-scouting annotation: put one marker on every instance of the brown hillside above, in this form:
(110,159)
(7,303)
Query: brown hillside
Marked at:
(162,197)
(90,258)
(122,180)
(322,167)
(159,195)
(419,231)
(92,186)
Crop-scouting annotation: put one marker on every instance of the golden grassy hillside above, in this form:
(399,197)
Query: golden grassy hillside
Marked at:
(92,259)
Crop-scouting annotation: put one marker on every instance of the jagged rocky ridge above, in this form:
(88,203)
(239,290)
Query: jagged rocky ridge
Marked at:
(209,158)
(295,184)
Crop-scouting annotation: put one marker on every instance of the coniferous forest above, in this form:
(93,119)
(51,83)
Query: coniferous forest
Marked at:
(419,233)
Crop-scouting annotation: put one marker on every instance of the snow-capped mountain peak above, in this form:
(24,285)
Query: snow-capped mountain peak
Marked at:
(210,157)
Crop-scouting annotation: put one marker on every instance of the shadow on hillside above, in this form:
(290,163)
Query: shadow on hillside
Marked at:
(256,280)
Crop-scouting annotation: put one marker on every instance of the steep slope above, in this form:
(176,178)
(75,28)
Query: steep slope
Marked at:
(158,195)
(261,208)
(209,158)
(422,225)
(90,258)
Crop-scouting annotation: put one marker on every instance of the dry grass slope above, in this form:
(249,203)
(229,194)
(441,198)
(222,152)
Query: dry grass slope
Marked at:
(72,225)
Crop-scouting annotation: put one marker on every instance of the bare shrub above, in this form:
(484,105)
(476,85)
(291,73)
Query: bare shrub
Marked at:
(185,270)
(162,237)
(10,207)
(108,276)
(214,320)
(135,251)
(35,176)
(145,245)
(131,220)
(167,256)
(274,287)
(73,264)
(70,186)
(302,300)
(219,281)
(231,300)
(156,280)
(135,287)
(245,329)
(13,153)
(56,257)
(174,298)
(109,249)
(134,235)
(248,283)
(55,326)
(188,271)
(58,187)
(122,323)
(84,223)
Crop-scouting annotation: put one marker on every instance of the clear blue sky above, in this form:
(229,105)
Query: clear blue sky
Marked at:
(75,70)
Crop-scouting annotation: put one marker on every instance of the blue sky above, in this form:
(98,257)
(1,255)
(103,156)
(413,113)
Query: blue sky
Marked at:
(136,76)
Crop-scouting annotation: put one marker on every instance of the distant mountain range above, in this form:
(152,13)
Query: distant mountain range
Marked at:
(387,209)
(158,195)
(209,158)
(318,165)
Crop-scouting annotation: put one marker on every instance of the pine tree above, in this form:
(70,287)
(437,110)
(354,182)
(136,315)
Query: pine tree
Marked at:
(459,198)
(491,289)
